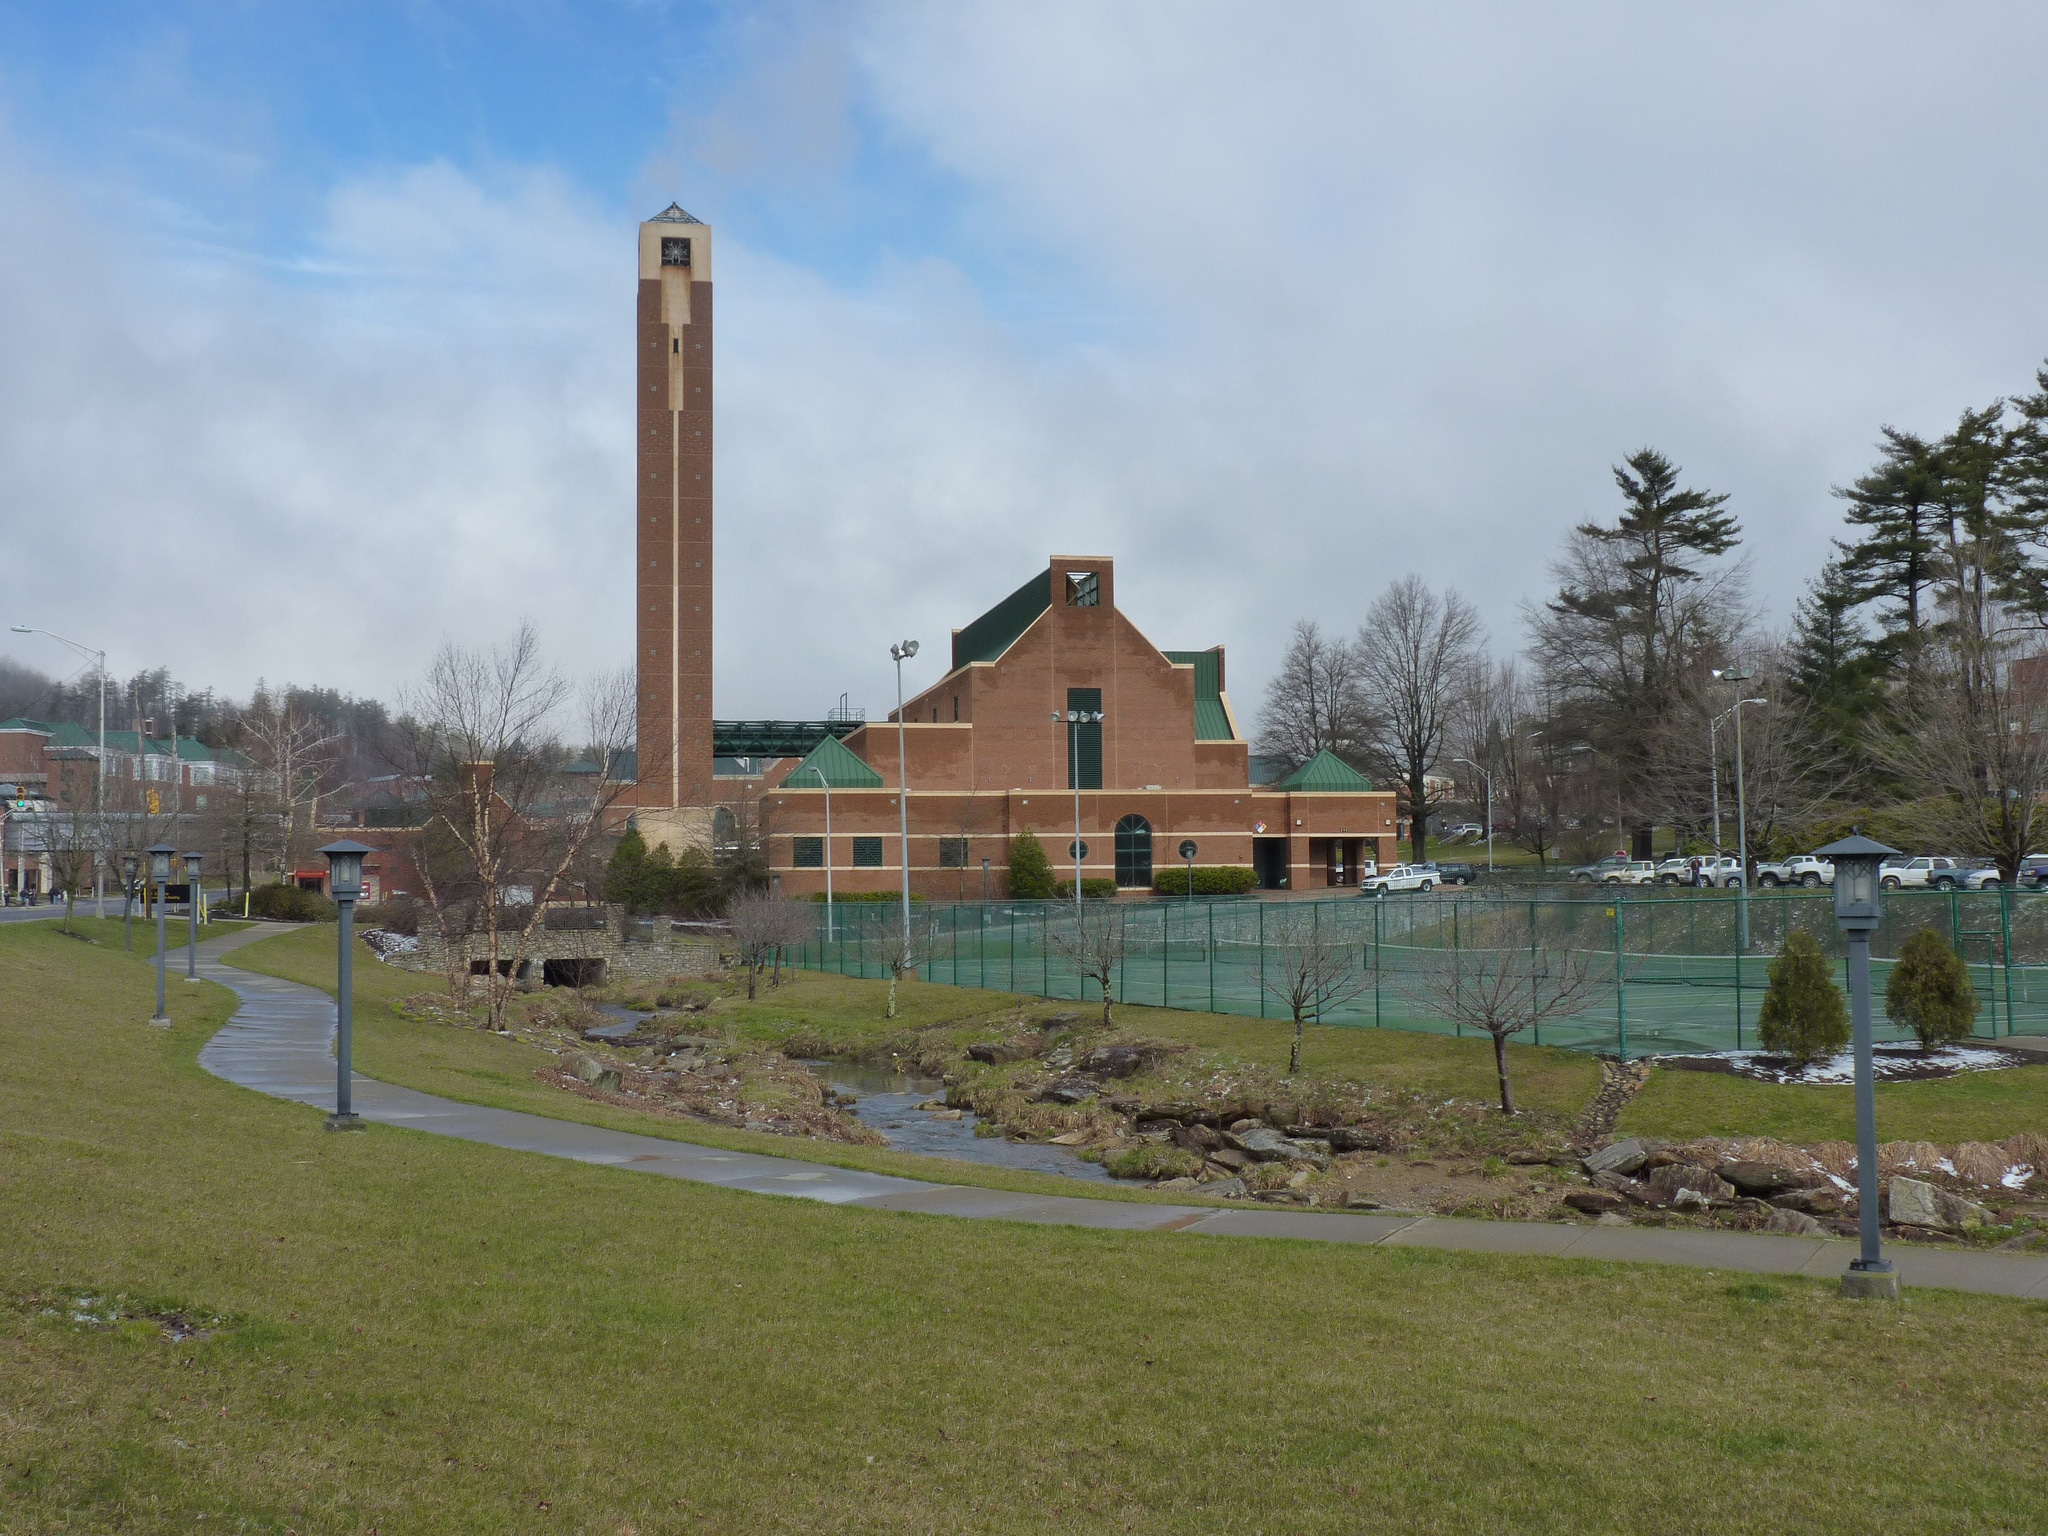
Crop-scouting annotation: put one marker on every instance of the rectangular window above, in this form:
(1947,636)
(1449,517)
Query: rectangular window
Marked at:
(1084,589)
(867,853)
(952,853)
(1084,739)
(807,852)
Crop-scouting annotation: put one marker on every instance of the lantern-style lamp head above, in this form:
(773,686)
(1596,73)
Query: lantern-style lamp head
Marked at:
(192,863)
(1856,859)
(345,869)
(160,856)
(128,864)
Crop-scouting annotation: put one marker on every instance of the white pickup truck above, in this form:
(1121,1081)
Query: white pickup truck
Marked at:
(1804,870)
(1398,877)
(1926,873)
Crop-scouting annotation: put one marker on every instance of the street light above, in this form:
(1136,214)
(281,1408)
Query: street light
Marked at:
(1739,676)
(1858,906)
(1714,761)
(128,902)
(160,856)
(99,661)
(1076,718)
(1489,807)
(195,893)
(826,785)
(901,653)
(345,884)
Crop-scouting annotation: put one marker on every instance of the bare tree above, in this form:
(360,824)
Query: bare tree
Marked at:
(1415,652)
(762,927)
(1312,705)
(1090,942)
(1320,966)
(504,812)
(1974,760)
(293,753)
(70,839)
(1502,982)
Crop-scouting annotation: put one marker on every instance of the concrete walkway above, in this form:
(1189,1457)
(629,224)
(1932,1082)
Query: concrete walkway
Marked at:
(281,1042)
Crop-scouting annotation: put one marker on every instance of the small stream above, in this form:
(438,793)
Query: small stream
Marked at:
(887,1102)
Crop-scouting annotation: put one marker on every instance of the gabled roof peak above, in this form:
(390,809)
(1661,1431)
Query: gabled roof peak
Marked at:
(674,214)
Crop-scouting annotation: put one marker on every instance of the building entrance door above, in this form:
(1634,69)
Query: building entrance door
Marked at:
(1269,862)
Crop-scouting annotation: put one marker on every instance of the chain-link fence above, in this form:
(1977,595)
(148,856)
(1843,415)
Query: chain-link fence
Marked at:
(1671,975)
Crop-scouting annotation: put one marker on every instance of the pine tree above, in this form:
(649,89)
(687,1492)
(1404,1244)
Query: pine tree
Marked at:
(1803,1015)
(1832,664)
(1930,992)
(1030,871)
(1897,559)
(625,876)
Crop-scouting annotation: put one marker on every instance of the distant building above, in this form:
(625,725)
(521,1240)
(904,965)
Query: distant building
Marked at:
(989,753)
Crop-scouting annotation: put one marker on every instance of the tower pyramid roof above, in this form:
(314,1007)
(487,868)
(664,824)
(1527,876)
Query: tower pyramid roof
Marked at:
(674,214)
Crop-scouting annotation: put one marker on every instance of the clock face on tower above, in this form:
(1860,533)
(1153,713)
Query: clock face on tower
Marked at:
(675,251)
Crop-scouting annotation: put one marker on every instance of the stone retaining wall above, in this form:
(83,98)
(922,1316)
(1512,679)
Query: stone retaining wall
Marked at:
(637,949)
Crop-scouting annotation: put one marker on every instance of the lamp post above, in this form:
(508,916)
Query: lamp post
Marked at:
(1489,806)
(160,856)
(344,884)
(1714,766)
(1857,910)
(1739,676)
(195,894)
(99,773)
(901,653)
(1187,853)
(1076,718)
(826,785)
(984,884)
(128,902)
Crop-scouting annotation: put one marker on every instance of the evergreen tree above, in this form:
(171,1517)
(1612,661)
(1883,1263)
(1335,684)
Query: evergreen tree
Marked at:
(1930,992)
(1803,1015)
(1832,664)
(625,875)
(1896,560)
(1030,871)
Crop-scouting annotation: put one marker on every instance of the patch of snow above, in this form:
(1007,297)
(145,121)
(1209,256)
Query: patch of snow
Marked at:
(1946,1166)
(1842,1068)
(2016,1178)
(1841,1183)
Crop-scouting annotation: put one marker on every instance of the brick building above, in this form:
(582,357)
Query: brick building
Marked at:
(989,753)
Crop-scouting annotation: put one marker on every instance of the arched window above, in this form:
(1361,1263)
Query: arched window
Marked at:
(1134,851)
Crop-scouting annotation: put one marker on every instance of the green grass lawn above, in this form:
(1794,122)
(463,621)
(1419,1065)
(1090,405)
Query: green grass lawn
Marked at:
(1971,1106)
(419,1334)
(478,1067)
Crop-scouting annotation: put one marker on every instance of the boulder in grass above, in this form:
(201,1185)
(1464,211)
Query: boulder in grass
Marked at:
(1917,1204)
(1196,1138)
(1821,1200)
(1624,1158)
(1595,1201)
(1764,1181)
(1687,1184)
(1266,1144)
(1794,1224)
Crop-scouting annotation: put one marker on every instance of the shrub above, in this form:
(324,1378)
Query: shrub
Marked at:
(1930,992)
(289,904)
(1091,890)
(1210,880)
(1151,1163)
(1030,871)
(1803,1015)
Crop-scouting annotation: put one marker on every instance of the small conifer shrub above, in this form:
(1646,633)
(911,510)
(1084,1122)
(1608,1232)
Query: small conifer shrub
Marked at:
(1030,872)
(1803,1014)
(1930,992)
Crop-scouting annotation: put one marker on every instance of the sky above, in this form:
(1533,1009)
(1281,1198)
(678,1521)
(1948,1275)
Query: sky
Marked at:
(316,319)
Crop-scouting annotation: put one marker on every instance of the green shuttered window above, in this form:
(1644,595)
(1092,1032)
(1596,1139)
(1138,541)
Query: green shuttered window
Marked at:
(867,853)
(1084,748)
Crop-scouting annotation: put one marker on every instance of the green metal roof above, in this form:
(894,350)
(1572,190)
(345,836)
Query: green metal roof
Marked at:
(997,630)
(1326,774)
(1212,720)
(841,769)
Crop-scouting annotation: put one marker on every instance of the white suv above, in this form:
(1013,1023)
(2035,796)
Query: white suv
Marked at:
(1634,872)
(1805,870)
(1924,874)
(1398,877)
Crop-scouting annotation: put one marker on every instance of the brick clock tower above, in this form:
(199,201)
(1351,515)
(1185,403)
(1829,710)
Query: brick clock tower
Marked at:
(672,589)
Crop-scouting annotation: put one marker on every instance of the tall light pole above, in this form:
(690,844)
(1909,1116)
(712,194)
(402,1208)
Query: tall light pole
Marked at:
(345,884)
(826,785)
(128,902)
(1076,718)
(196,893)
(160,856)
(99,852)
(1489,806)
(901,653)
(1858,907)
(1714,763)
(1739,676)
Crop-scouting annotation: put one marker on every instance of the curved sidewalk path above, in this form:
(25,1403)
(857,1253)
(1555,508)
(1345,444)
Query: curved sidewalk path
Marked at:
(281,1042)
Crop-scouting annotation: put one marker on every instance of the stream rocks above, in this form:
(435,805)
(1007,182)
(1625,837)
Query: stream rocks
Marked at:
(1917,1204)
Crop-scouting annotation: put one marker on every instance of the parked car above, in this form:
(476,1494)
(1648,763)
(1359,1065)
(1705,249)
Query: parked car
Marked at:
(1398,877)
(1456,874)
(1678,871)
(1464,830)
(1631,872)
(1978,876)
(1929,872)
(1594,873)
(1804,870)
(2033,873)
